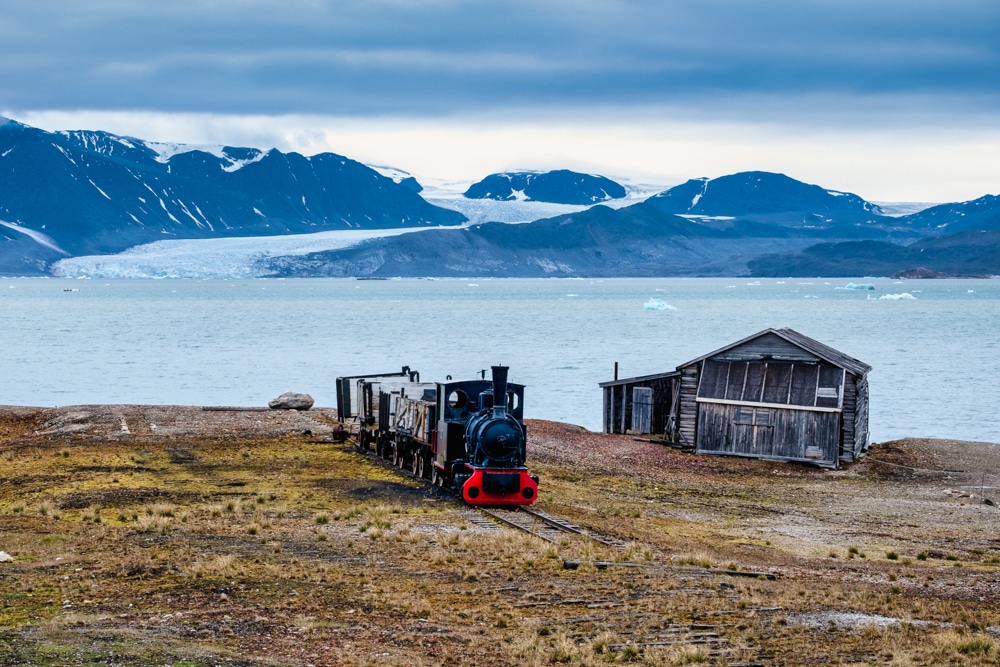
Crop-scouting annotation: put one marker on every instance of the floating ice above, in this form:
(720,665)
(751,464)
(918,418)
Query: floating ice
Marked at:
(657,304)
(861,286)
(905,296)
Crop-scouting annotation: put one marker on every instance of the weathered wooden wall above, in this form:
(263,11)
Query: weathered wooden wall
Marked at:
(687,418)
(769,397)
(769,433)
(618,397)
(767,346)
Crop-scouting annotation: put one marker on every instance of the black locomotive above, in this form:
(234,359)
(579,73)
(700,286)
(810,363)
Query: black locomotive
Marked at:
(466,434)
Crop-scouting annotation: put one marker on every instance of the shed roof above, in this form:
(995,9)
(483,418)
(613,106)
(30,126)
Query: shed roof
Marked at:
(824,352)
(639,378)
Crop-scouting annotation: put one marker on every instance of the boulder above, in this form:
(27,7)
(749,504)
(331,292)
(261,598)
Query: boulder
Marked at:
(291,400)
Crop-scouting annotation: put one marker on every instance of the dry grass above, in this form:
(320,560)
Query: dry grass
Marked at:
(241,540)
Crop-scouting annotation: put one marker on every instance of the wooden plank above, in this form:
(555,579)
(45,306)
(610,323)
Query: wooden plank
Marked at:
(755,381)
(804,380)
(779,406)
(769,345)
(642,409)
(714,379)
(737,380)
(776,383)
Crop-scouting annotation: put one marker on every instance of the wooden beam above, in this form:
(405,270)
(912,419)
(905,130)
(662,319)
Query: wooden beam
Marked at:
(778,406)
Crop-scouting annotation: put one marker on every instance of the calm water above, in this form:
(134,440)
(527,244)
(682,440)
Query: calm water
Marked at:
(936,358)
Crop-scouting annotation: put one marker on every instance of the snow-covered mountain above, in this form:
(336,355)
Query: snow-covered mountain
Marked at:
(75,193)
(557,187)
(100,205)
(765,196)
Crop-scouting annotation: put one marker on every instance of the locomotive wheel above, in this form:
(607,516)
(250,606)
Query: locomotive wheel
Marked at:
(435,476)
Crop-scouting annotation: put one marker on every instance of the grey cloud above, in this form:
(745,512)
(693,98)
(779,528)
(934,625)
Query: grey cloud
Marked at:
(438,57)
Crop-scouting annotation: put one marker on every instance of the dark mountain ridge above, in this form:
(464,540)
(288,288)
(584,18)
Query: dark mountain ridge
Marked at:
(676,233)
(558,187)
(759,194)
(637,240)
(74,193)
(96,193)
(967,253)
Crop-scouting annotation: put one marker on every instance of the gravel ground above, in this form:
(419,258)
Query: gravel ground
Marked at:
(818,530)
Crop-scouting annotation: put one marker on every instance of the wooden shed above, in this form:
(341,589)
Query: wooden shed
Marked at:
(776,395)
(645,404)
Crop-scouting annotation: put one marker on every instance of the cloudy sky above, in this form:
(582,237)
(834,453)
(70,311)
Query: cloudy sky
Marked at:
(896,100)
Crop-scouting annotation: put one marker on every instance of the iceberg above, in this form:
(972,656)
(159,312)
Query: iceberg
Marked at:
(657,304)
(905,296)
(862,286)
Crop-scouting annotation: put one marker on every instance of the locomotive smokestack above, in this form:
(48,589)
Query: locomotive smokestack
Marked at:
(499,390)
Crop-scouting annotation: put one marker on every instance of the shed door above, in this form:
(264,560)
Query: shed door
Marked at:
(642,409)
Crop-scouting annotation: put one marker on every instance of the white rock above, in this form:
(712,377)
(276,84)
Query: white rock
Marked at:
(291,400)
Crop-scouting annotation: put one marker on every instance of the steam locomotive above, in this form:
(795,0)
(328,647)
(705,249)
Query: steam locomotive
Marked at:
(468,435)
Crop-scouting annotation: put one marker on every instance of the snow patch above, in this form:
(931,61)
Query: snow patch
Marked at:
(397,175)
(65,154)
(705,218)
(697,197)
(899,209)
(166,151)
(37,237)
(99,189)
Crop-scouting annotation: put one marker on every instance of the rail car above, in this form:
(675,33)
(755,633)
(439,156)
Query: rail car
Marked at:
(468,434)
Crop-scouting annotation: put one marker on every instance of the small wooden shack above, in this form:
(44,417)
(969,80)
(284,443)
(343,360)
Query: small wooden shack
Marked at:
(777,394)
(641,405)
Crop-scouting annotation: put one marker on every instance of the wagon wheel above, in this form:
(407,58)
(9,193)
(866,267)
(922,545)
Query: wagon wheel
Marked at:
(435,476)
(421,465)
(397,455)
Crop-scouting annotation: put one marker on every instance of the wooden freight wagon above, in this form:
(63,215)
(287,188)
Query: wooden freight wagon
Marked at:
(776,395)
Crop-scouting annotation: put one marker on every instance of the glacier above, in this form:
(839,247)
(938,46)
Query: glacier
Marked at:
(243,257)
(226,258)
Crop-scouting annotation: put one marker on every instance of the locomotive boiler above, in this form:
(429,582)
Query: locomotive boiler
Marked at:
(468,435)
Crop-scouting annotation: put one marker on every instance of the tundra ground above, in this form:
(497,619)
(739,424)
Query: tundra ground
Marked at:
(155,535)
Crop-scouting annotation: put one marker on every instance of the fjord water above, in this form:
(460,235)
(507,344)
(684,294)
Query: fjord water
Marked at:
(935,358)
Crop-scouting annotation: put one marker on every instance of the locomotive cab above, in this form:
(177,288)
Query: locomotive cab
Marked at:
(481,440)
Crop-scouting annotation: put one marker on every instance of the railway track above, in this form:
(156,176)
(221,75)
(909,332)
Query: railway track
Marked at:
(542,525)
